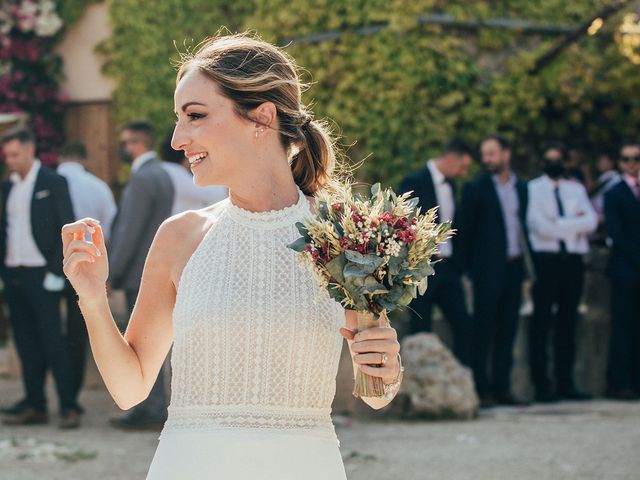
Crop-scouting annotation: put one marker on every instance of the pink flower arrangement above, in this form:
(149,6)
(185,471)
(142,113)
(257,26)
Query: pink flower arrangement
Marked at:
(30,72)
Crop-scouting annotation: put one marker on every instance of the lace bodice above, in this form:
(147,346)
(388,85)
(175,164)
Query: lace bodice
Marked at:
(256,342)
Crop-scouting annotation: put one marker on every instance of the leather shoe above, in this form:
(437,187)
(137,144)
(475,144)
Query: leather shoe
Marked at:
(487,401)
(621,394)
(29,416)
(574,394)
(69,419)
(507,399)
(546,396)
(18,407)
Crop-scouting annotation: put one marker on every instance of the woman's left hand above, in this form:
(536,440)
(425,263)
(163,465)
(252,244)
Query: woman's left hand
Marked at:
(370,347)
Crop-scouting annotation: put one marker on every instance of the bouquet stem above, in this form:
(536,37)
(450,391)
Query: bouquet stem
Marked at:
(367,385)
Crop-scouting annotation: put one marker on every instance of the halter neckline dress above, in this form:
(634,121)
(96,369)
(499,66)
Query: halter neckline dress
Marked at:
(255,357)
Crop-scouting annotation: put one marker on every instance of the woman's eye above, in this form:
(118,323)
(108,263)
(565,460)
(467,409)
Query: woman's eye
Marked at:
(195,116)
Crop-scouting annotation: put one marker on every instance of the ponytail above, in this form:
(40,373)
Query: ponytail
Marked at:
(313,163)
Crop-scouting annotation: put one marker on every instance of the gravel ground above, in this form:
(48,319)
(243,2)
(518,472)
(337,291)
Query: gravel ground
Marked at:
(594,440)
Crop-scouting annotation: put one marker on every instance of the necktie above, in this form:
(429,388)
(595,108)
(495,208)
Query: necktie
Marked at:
(556,191)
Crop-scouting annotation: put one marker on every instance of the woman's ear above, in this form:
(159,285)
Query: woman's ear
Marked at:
(264,115)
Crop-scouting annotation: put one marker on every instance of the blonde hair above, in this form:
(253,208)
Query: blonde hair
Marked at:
(249,72)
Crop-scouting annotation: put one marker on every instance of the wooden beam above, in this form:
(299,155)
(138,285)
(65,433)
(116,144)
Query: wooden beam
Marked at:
(443,20)
(572,37)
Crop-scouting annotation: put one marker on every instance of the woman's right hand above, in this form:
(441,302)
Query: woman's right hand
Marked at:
(85,263)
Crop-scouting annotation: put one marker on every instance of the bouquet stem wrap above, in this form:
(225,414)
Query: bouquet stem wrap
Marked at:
(367,385)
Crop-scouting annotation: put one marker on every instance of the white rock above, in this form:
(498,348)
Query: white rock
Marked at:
(435,383)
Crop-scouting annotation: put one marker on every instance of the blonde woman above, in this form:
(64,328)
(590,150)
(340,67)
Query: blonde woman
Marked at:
(255,343)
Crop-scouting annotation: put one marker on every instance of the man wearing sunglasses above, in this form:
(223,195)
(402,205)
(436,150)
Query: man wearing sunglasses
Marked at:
(622,216)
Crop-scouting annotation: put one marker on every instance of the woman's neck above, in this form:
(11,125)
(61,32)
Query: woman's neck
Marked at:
(266,189)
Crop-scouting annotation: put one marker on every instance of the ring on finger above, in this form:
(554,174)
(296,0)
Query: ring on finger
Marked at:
(383,358)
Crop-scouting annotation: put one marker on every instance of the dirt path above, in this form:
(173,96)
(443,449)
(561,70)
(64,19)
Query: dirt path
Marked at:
(596,440)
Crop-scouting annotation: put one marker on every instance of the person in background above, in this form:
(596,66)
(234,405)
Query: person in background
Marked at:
(435,187)
(607,177)
(146,202)
(90,197)
(188,196)
(575,169)
(35,206)
(622,214)
(559,219)
(492,222)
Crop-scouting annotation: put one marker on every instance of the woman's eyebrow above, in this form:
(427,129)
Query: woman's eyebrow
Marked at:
(188,104)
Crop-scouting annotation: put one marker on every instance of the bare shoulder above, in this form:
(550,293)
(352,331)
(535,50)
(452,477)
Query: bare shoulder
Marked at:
(180,235)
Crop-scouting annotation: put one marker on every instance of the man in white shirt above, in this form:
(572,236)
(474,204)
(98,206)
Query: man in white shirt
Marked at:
(90,197)
(35,205)
(434,187)
(187,195)
(560,219)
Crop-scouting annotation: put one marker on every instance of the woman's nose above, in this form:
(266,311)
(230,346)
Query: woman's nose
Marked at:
(178,140)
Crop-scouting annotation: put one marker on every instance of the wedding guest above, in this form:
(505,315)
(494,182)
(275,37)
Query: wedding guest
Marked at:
(146,202)
(559,219)
(434,186)
(35,206)
(622,213)
(607,177)
(574,167)
(187,195)
(90,197)
(492,222)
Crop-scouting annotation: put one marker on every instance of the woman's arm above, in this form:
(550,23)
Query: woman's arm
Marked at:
(129,364)
(366,348)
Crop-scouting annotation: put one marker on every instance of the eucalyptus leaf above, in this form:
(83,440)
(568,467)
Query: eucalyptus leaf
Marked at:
(355,270)
(373,287)
(298,245)
(413,202)
(422,286)
(371,261)
(336,266)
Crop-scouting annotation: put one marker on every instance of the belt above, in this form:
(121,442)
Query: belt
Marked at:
(557,254)
(22,268)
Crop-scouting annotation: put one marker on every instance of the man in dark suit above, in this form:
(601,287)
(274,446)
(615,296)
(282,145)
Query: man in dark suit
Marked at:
(145,203)
(492,221)
(435,187)
(35,206)
(622,216)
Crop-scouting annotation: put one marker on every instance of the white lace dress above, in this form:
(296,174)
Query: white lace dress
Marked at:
(255,357)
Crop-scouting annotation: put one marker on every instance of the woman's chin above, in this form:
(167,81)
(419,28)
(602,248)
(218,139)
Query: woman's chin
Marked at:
(201,180)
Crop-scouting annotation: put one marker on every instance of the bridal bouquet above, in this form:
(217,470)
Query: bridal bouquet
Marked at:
(372,255)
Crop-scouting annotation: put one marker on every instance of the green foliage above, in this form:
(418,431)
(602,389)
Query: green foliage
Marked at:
(397,95)
(71,10)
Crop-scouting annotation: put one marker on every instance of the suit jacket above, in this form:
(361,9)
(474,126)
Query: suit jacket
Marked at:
(50,210)
(421,183)
(622,216)
(145,203)
(483,239)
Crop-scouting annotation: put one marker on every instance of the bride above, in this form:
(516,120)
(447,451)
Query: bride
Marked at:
(256,343)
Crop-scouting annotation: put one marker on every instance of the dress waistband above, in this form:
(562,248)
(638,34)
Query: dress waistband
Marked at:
(216,417)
